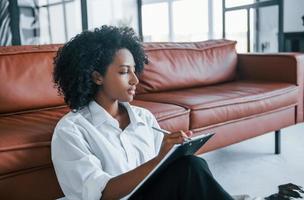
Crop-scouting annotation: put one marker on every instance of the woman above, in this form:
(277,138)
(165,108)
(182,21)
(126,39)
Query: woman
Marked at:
(104,147)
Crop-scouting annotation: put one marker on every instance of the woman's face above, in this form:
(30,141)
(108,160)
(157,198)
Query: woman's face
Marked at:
(119,82)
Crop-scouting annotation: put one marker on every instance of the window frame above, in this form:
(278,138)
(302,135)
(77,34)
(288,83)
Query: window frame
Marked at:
(14,12)
(256,5)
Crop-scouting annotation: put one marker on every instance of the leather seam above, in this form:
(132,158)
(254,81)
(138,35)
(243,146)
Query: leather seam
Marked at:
(26,146)
(53,48)
(26,171)
(242,119)
(189,49)
(248,101)
(32,111)
(173,116)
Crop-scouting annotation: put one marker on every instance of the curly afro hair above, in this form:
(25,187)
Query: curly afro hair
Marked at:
(89,51)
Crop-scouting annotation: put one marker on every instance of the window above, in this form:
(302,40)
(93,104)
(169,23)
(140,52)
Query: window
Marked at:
(236,28)
(42,21)
(58,20)
(25,22)
(155,22)
(190,20)
(217,19)
(181,20)
(234,3)
(112,12)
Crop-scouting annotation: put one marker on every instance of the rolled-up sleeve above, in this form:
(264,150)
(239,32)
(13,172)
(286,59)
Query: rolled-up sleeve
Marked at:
(78,171)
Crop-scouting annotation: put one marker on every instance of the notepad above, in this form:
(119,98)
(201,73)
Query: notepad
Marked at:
(187,148)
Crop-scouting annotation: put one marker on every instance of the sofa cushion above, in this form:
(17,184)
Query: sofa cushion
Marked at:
(25,137)
(34,184)
(183,65)
(223,103)
(170,117)
(26,78)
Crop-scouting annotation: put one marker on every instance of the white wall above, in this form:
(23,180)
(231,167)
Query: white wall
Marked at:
(293,11)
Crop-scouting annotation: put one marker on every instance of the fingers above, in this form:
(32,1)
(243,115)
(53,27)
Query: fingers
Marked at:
(189,133)
(185,134)
(178,137)
(174,139)
(171,139)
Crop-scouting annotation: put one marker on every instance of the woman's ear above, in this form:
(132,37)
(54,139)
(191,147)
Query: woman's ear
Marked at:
(97,78)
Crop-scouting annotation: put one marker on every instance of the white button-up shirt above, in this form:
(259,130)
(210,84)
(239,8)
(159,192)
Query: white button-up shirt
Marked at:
(89,148)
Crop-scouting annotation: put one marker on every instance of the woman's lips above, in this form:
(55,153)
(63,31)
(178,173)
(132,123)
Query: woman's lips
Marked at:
(131,91)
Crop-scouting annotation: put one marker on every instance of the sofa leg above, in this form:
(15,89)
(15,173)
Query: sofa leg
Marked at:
(277,137)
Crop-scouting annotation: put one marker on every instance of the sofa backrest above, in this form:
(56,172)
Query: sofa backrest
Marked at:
(26,78)
(26,71)
(182,65)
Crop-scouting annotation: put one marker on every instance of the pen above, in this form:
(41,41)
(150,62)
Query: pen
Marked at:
(167,132)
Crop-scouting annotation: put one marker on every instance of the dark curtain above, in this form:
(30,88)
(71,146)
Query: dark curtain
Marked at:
(5,30)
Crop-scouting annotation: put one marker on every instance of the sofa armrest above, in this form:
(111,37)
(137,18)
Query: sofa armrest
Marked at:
(283,67)
(278,67)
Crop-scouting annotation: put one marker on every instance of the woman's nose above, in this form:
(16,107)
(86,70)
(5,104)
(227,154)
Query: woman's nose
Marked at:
(134,80)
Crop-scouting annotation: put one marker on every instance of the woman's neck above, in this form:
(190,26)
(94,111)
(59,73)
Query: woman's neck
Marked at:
(116,110)
(112,107)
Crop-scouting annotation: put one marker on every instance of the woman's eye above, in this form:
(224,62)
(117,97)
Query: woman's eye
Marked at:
(126,72)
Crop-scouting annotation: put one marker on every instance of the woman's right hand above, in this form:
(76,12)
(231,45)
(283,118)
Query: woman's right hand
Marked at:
(170,140)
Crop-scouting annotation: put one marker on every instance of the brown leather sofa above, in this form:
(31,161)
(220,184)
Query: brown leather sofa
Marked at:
(203,86)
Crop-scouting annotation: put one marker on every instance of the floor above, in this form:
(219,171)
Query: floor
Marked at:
(252,168)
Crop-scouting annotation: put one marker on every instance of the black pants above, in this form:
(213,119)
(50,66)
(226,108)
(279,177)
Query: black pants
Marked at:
(188,178)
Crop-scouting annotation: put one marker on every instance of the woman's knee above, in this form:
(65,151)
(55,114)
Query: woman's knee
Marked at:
(194,163)
(194,160)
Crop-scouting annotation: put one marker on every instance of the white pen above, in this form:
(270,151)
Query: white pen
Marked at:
(167,132)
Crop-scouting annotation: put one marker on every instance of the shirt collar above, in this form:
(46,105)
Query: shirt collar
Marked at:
(99,115)
(134,117)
